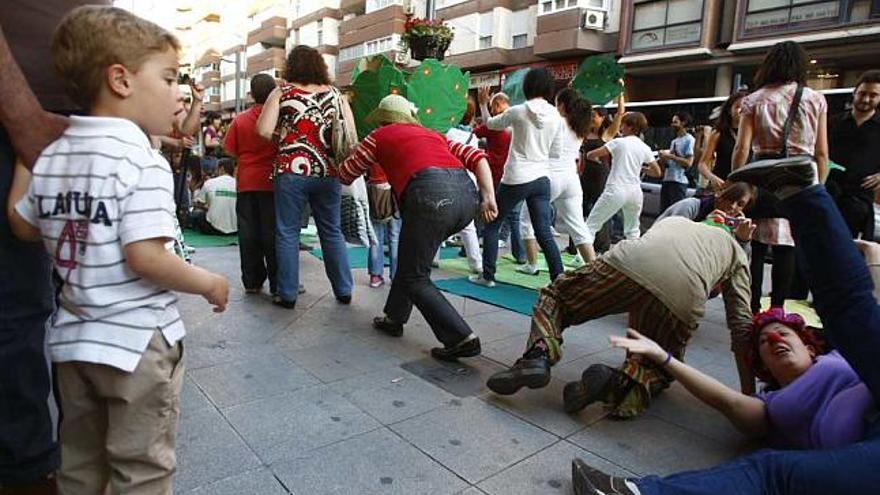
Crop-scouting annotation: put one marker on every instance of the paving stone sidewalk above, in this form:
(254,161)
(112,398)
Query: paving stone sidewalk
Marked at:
(313,401)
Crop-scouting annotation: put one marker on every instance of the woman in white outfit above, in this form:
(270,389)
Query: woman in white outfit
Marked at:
(464,134)
(566,194)
(623,190)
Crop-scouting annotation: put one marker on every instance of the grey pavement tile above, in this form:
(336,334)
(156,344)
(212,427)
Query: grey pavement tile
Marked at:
(499,325)
(472,491)
(676,405)
(258,482)
(649,445)
(543,407)
(373,463)
(290,425)
(343,359)
(205,354)
(208,449)
(508,350)
(391,395)
(415,344)
(242,381)
(465,378)
(191,398)
(546,472)
(472,438)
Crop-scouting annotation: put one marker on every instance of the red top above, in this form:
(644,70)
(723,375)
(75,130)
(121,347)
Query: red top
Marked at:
(377,175)
(404,149)
(304,132)
(255,154)
(497,146)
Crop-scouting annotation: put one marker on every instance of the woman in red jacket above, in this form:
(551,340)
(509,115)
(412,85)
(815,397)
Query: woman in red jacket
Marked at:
(428,174)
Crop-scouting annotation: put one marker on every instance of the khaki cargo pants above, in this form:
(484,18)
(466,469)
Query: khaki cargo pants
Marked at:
(119,429)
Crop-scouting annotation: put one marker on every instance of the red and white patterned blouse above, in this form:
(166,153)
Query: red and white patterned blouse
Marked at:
(768,108)
(303,135)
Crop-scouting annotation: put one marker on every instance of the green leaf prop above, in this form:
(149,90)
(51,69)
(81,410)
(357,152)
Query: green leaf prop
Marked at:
(438,90)
(373,79)
(512,86)
(440,93)
(598,79)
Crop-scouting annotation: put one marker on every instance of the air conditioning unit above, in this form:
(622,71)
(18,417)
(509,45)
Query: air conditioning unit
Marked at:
(594,19)
(401,57)
(409,8)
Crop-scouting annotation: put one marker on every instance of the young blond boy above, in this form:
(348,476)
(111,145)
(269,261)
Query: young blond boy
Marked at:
(101,200)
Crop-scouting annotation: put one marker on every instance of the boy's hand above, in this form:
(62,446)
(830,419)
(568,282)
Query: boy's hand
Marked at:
(197,90)
(218,294)
(483,95)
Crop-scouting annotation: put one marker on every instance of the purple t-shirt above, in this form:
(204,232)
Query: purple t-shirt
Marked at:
(825,407)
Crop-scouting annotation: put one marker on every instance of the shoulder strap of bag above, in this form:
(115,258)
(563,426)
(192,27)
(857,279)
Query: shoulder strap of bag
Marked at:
(792,112)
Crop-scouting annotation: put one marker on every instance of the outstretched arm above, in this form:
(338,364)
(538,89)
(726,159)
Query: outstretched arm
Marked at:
(613,129)
(746,413)
(30,128)
(705,165)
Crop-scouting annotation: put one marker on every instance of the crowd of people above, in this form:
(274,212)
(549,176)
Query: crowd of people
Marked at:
(107,189)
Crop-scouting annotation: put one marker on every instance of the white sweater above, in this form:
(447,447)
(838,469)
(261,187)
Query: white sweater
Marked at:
(534,125)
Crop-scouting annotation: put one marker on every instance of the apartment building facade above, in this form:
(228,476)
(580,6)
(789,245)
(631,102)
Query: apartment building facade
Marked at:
(695,48)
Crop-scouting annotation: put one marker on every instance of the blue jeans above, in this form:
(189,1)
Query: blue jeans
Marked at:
(292,192)
(510,226)
(843,296)
(536,194)
(389,231)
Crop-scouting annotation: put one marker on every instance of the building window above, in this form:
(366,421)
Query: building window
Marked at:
(374,5)
(764,17)
(351,52)
(661,23)
(485,42)
(296,36)
(519,41)
(487,29)
(320,32)
(551,6)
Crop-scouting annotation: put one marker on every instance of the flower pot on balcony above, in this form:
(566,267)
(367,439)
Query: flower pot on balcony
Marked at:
(422,47)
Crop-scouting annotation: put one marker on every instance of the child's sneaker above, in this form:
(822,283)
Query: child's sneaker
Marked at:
(528,269)
(376,281)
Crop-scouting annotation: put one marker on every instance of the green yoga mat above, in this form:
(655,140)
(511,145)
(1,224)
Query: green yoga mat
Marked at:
(502,295)
(505,270)
(197,239)
(358,256)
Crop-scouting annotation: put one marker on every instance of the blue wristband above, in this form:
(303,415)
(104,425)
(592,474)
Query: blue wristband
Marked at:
(666,361)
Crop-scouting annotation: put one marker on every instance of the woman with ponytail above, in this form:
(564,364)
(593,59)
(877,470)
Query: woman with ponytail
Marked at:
(566,194)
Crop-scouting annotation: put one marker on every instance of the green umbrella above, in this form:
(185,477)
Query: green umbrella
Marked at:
(440,93)
(598,79)
(512,86)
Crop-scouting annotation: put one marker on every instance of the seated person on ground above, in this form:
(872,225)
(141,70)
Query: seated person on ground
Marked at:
(214,204)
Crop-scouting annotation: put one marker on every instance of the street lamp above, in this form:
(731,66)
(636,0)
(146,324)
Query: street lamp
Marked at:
(237,62)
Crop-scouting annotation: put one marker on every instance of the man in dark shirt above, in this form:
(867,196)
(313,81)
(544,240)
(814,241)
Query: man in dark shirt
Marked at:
(854,142)
(28,452)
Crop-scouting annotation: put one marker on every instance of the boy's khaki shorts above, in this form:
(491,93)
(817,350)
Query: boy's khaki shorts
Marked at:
(119,429)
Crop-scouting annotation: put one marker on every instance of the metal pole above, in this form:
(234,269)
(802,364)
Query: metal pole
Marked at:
(237,82)
(429,9)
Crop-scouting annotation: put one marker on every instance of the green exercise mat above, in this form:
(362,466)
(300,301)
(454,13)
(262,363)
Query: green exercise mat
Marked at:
(358,256)
(196,239)
(598,79)
(505,296)
(802,308)
(505,270)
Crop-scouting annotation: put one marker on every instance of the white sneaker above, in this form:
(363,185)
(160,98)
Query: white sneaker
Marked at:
(479,280)
(578,261)
(528,269)
(477,270)
(502,244)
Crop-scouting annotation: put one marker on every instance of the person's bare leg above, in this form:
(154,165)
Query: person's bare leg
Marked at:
(531,246)
(587,252)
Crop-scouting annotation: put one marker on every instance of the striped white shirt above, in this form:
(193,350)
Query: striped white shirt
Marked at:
(99,187)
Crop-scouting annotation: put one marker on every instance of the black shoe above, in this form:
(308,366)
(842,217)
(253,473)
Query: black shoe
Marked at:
(532,373)
(277,301)
(776,175)
(590,481)
(595,383)
(386,326)
(465,348)
(344,299)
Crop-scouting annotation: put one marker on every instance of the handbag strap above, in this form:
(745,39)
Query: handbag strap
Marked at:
(792,112)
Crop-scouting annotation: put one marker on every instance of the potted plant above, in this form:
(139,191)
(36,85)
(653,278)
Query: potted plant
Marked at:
(427,38)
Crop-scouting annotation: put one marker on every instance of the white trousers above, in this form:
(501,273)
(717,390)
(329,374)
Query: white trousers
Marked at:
(567,198)
(614,198)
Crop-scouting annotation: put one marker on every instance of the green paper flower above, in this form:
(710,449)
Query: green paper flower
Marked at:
(598,79)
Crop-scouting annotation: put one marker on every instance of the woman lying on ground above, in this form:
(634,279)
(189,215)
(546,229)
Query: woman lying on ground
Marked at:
(813,401)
